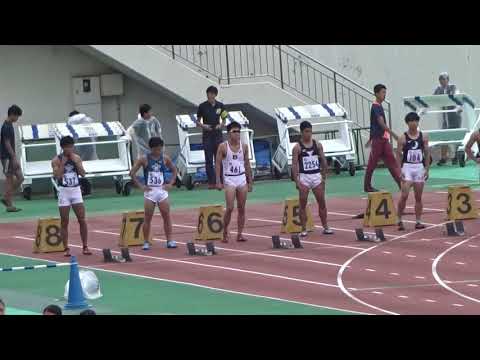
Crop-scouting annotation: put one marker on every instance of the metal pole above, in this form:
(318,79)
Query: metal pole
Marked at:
(173,52)
(281,67)
(335,86)
(228,66)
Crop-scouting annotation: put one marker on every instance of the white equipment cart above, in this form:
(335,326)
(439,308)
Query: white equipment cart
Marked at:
(434,109)
(38,148)
(330,127)
(191,158)
(113,150)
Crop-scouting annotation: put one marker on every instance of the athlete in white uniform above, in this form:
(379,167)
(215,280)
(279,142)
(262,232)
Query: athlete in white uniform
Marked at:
(412,151)
(66,168)
(309,170)
(155,189)
(233,157)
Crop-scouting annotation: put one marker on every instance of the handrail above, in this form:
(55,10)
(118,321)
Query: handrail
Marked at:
(287,66)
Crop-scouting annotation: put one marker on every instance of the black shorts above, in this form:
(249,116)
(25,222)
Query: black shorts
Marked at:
(8,166)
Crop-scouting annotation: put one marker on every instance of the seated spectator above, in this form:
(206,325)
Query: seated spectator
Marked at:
(88,312)
(52,310)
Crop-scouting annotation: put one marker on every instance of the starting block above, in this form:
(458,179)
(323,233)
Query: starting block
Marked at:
(282,244)
(380,210)
(108,257)
(455,228)
(361,236)
(207,250)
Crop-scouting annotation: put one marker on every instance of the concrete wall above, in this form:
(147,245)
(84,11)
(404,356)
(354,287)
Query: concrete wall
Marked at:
(405,70)
(38,79)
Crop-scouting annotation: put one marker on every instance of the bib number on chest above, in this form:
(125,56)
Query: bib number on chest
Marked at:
(70,179)
(311,163)
(155,179)
(415,156)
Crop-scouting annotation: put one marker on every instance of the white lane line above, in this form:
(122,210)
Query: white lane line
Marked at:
(377,292)
(473,246)
(282,238)
(459,305)
(241,251)
(402,296)
(411,256)
(371,270)
(274,276)
(317,226)
(441,192)
(425,208)
(420,277)
(430,300)
(460,263)
(186,283)
(387,252)
(472,285)
(440,281)
(449,243)
(394,274)
(432,259)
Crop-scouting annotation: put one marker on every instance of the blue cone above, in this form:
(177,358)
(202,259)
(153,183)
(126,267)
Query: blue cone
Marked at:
(76,300)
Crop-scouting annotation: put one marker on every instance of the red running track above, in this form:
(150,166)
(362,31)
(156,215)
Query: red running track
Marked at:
(413,272)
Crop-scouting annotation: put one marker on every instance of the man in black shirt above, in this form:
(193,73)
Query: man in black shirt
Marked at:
(211,116)
(10,163)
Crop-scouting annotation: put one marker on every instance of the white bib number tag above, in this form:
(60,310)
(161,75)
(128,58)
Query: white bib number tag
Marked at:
(70,179)
(415,156)
(155,178)
(311,163)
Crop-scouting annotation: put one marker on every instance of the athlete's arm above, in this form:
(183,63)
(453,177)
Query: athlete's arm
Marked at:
(142,162)
(218,163)
(169,164)
(295,168)
(468,148)
(78,162)
(248,168)
(426,155)
(383,125)
(323,161)
(58,168)
(399,152)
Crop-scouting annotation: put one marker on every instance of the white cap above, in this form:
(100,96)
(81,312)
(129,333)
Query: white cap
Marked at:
(90,285)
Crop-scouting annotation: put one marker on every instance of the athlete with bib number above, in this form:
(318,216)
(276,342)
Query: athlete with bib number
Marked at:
(412,151)
(233,157)
(309,169)
(155,190)
(66,169)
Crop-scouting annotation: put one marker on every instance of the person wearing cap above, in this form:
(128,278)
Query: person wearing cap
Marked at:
(211,117)
(451,120)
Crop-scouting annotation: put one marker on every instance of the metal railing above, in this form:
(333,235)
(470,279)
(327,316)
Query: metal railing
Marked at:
(288,67)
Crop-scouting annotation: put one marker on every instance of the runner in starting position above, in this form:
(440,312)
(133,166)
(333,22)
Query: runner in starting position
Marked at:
(412,151)
(233,156)
(156,191)
(309,169)
(66,168)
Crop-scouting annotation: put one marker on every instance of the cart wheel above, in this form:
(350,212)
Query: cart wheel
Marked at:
(351,168)
(178,183)
(27,193)
(461,158)
(189,182)
(127,189)
(338,167)
(118,187)
(276,174)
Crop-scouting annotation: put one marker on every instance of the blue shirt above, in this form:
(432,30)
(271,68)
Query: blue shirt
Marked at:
(376,130)
(155,171)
